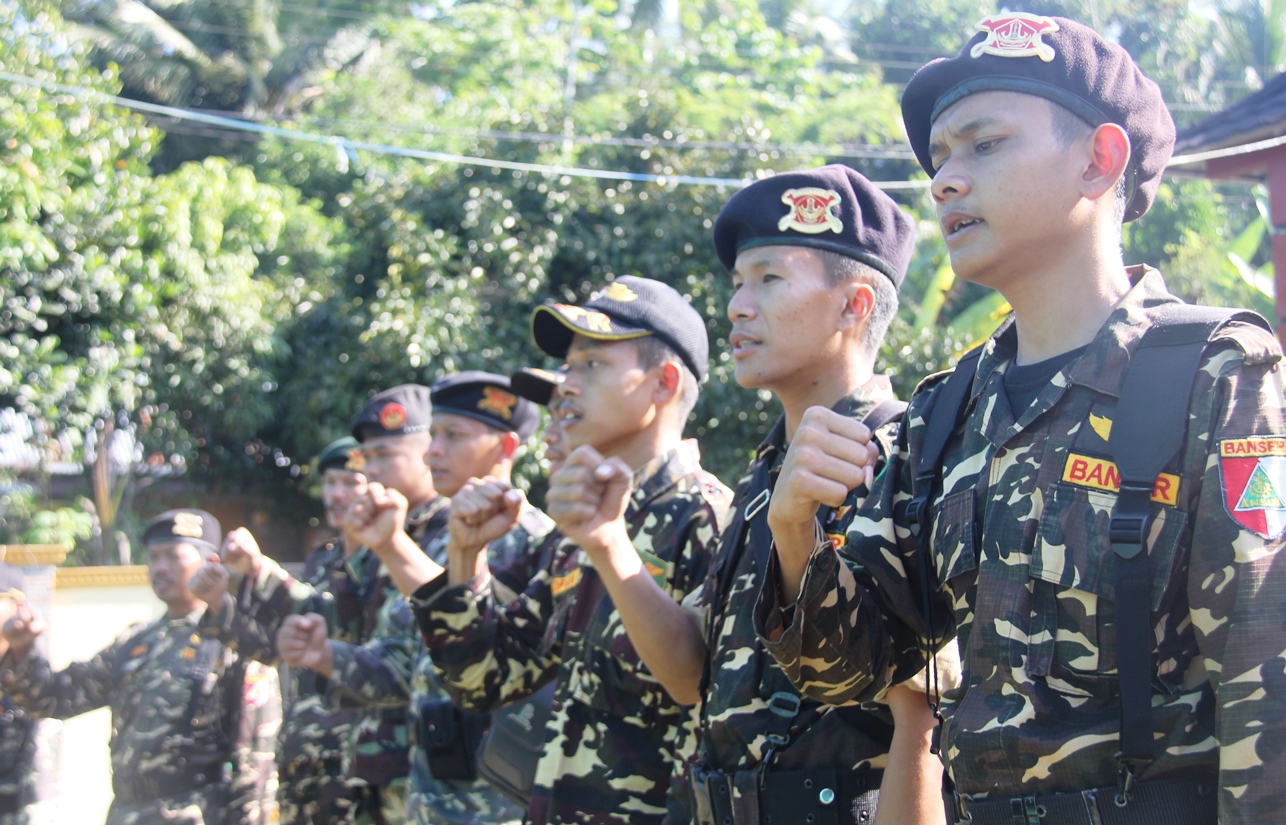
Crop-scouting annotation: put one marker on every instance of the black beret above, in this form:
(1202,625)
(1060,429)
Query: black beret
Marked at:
(398,411)
(486,397)
(338,455)
(536,384)
(195,527)
(832,208)
(1060,60)
(629,307)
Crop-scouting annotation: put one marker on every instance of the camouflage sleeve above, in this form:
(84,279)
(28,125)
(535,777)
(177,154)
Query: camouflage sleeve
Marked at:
(276,594)
(78,688)
(857,626)
(488,654)
(236,628)
(1236,584)
(378,672)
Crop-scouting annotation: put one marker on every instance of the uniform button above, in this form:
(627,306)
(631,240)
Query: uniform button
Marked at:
(826,797)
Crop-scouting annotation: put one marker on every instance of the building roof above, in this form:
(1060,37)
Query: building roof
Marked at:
(1259,116)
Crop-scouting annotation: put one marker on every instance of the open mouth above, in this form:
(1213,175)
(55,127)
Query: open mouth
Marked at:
(954,224)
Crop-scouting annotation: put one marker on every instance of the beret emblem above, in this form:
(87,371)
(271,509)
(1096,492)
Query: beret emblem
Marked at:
(356,461)
(810,211)
(498,401)
(393,416)
(189,525)
(1015,35)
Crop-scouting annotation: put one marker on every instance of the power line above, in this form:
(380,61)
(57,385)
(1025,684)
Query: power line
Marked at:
(348,146)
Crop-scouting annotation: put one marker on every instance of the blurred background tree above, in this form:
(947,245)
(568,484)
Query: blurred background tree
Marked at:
(192,302)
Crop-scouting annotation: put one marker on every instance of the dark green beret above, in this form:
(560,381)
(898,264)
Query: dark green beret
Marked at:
(338,454)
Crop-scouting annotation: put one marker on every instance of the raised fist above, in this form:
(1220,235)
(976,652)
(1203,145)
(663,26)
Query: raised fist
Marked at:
(375,516)
(210,583)
(23,628)
(483,510)
(302,641)
(587,494)
(830,455)
(241,553)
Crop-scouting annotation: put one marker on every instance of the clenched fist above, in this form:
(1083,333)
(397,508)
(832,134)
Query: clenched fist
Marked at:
(830,455)
(210,583)
(23,628)
(241,553)
(374,517)
(302,641)
(588,495)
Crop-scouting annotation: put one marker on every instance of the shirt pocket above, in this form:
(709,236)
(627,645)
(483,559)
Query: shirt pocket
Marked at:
(1072,637)
(955,545)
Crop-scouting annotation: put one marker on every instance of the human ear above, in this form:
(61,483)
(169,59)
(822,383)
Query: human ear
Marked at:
(859,301)
(669,382)
(1108,155)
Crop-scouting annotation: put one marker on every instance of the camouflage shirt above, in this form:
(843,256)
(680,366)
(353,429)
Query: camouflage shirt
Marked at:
(17,757)
(393,669)
(735,713)
(351,599)
(177,700)
(1022,565)
(313,731)
(611,739)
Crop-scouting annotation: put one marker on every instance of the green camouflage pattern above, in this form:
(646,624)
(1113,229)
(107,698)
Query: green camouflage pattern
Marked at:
(17,757)
(1023,577)
(735,716)
(612,737)
(312,789)
(351,600)
(151,678)
(393,669)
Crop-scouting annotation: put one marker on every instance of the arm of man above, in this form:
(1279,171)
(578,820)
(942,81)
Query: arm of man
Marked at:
(376,673)
(587,499)
(1235,579)
(377,519)
(911,793)
(855,625)
(80,687)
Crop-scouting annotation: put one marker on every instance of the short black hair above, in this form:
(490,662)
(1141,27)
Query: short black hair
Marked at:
(841,269)
(1069,127)
(652,352)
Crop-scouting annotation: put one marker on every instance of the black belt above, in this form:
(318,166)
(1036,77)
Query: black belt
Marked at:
(1187,799)
(821,796)
(139,789)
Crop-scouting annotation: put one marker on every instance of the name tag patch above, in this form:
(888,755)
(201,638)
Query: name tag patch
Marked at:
(1101,474)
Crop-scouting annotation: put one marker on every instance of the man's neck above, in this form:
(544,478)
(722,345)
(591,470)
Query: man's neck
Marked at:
(823,388)
(412,506)
(1063,307)
(644,446)
(179,609)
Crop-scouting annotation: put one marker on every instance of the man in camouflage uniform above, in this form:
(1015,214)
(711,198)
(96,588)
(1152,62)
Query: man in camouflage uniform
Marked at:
(176,697)
(17,727)
(393,431)
(1019,556)
(479,425)
(635,356)
(808,315)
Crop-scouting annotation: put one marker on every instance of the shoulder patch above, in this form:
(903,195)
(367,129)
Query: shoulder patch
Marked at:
(1252,472)
(1258,344)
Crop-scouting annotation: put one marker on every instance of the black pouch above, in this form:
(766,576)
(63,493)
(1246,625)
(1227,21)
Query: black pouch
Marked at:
(449,737)
(508,755)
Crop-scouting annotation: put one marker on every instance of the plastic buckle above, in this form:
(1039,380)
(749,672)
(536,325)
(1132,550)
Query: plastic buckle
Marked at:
(785,703)
(757,503)
(1129,520)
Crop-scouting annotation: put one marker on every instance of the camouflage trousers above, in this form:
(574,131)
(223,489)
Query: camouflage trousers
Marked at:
(186,809)
(380,804)
(315,793)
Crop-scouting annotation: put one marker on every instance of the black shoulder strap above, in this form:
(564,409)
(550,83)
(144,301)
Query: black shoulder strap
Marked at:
(944,416)
(885,412)
(1148,430)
